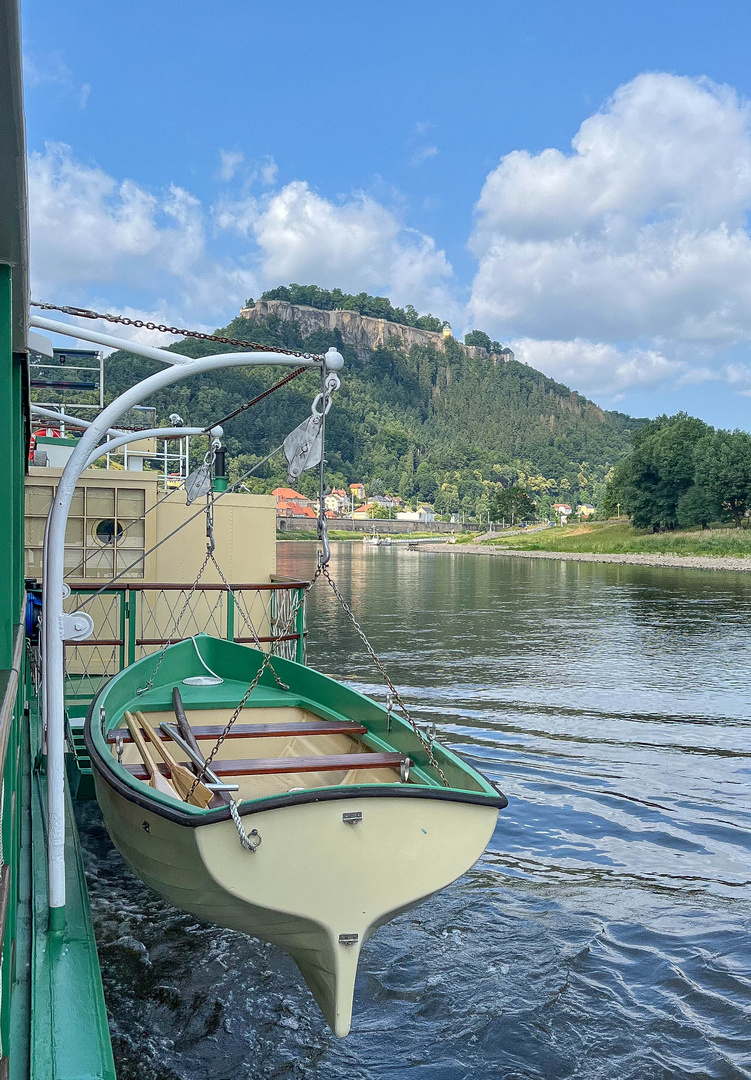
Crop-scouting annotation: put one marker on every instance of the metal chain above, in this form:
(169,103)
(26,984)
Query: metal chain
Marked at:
(174,633)
(85,313)
(256,679)
(247,620)
(426,742)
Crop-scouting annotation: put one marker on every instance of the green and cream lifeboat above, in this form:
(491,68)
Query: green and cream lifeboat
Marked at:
(349,822)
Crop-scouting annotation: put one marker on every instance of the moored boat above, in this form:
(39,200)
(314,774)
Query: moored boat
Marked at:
(342,814)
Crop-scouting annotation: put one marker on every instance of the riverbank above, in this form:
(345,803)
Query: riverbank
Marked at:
(736,563)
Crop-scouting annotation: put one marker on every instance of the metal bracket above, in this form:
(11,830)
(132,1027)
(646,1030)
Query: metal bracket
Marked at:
(352,817)
(349,939)
(76,627)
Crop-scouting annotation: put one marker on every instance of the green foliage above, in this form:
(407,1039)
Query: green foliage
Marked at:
(377,307)
(511,504)
(428,424)
(722,463)
(659,470)
(682,472)
(480,338)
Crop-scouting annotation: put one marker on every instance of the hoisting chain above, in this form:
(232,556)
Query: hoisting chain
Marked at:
(427,742)
(266,663)
(85,313)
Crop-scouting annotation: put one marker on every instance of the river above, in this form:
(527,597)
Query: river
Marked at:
(605,933)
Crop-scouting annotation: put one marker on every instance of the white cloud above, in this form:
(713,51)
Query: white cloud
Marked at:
(89,231)
(423,153)
(230,160)
(357,244)
(595,367)
(105,243)
(639,234)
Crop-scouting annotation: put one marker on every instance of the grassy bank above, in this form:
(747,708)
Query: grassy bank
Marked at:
(616,538)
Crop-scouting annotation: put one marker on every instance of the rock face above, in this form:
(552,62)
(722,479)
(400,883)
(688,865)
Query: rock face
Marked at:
(362,331)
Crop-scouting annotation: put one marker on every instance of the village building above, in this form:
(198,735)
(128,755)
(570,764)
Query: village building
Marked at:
(424,512)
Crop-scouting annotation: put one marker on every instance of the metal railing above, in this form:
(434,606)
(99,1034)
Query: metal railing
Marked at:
(11,812)
(136,619)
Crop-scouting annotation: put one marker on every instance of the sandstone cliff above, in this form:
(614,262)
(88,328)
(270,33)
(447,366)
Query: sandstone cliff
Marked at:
(362,331)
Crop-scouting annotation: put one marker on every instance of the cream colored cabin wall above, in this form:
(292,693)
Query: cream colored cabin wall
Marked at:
(245,535)
(244,529)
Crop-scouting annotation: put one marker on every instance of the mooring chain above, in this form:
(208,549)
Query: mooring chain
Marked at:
(85,313)
(426,742)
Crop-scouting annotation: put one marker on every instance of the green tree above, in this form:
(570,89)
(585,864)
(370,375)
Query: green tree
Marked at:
(659,470)
(478,337)
(722,462)
(698,506)
(511,504)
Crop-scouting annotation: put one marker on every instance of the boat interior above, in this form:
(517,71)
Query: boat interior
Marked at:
(270,750)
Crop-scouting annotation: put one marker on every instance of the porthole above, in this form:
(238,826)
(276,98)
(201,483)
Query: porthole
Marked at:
(107,531)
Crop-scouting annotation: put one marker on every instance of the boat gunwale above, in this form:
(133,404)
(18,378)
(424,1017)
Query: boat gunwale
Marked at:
(185,814)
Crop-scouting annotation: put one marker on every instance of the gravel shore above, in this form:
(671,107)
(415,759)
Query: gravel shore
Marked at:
(740,564)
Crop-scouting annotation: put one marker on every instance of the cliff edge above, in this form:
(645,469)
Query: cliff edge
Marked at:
(361,331)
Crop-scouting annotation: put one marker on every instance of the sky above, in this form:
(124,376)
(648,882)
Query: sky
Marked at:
(571,176)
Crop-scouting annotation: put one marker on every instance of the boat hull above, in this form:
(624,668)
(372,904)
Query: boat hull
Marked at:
(314,877)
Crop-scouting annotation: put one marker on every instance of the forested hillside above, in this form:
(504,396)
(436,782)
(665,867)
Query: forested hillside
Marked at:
(429,424)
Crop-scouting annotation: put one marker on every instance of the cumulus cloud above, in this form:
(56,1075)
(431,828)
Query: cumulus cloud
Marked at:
(101,242)
(640,233)
(89,230)
(596,367)
(357,242)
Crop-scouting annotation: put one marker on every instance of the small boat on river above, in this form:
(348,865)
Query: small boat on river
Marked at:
(342,814)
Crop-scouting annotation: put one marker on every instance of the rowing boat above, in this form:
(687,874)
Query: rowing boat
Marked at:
(330,813)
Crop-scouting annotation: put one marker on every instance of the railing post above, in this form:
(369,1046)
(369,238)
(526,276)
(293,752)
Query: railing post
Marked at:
(123,602)
(230,615)
(132,615)
(300,627)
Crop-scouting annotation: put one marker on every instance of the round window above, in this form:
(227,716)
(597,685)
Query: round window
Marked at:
(108,531)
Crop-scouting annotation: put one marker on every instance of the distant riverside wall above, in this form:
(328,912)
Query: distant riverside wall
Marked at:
(381,525)
(362,331)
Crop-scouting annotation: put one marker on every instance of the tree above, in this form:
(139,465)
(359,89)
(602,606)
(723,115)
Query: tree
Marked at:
(722,462)
(480,338)
(698,506)
(659,470)
(512,504)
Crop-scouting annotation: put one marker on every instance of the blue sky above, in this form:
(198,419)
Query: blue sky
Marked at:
(574,178)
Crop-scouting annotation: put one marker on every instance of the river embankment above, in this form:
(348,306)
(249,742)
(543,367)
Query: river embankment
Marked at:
(735,563)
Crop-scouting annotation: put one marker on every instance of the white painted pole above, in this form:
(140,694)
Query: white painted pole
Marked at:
(54,570)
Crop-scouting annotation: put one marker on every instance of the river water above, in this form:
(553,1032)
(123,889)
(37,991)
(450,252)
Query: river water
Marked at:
(605,933)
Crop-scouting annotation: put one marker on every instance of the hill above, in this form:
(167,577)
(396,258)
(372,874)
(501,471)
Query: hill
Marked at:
(425,421)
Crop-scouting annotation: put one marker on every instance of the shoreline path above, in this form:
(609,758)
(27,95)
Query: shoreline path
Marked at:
(687,562)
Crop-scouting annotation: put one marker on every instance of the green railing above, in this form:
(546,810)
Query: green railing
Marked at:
(12,757)
(136,619)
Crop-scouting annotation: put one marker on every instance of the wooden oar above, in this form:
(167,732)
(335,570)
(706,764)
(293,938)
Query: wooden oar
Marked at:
(156,780)
(182,777)
(183,724)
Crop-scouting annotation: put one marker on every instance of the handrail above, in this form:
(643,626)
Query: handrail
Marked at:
(11,690)
(143,586)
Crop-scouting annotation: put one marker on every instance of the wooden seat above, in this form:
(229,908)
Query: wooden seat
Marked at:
(259,731)
(270,766)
